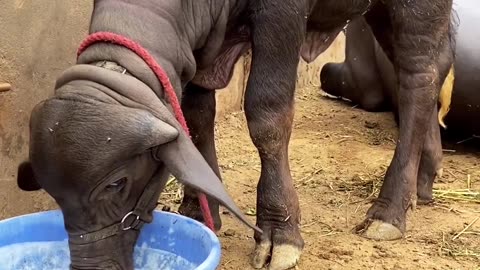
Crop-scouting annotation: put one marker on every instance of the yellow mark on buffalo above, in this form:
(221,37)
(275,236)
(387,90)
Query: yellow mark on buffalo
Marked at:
(445,97)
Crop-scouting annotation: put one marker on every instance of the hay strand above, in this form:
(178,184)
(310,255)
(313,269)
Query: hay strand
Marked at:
(465,195)
(455,250)
(465,229)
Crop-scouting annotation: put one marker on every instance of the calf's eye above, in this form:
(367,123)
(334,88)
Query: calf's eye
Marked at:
(117,185)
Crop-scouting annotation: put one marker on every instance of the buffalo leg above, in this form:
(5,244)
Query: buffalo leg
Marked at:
(198,105)
(416,59)
(269,109)
(430,163)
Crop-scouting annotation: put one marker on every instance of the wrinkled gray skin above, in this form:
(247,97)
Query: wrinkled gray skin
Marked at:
(103,126)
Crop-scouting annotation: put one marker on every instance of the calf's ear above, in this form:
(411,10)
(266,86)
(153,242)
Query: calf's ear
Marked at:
(183,160)
(26,178)
(160,132)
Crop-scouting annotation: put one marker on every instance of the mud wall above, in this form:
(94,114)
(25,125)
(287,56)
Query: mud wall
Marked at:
(39,40)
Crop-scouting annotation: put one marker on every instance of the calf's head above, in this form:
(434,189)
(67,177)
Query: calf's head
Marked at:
(100,160)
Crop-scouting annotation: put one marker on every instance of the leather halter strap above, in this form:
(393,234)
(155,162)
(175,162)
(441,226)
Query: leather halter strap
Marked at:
(133,220)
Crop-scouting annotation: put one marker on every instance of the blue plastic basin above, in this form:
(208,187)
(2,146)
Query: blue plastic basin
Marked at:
(170,232)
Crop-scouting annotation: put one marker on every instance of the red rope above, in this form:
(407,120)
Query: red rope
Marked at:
(163,78)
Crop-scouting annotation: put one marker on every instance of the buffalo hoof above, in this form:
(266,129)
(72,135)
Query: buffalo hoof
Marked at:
(440,173)
(282,256)
(380,231)
(427,202)
(424,196)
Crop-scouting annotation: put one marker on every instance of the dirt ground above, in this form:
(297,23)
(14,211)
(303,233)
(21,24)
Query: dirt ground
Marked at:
(338,156)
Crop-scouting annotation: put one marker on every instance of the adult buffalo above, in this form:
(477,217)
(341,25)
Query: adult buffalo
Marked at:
(367,76)
(109,132)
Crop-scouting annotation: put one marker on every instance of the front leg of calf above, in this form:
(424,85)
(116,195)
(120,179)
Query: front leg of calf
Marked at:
(416,53)
(198,105)
(269,110)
